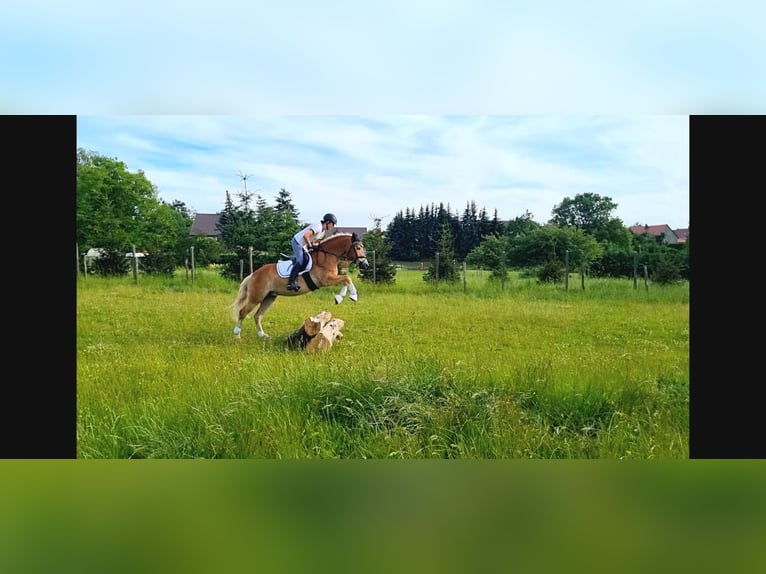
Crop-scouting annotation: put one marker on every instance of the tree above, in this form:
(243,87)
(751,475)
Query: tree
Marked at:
(207,250)
(492,254)
(117,209)
(492,227)
(550,243)
(587,211)
(401,234)
(443,267)
(381,269)
(521,225)
(470,231)
(284,224)
(266,229)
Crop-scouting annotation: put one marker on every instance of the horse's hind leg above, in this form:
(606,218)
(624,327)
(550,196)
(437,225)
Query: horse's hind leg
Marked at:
(243,312)
(264,306)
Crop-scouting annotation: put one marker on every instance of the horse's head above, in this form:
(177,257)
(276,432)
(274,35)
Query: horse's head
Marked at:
(357,252)
(345,246)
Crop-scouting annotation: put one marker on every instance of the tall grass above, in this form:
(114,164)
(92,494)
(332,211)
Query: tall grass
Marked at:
(469,370)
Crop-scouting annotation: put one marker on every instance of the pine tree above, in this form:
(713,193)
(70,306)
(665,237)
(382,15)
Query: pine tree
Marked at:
(443,267)
(381,269)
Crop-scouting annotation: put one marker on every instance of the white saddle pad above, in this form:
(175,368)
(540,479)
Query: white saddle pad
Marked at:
(283,267)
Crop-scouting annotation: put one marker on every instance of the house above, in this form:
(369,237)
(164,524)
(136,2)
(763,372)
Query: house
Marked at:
(360,231)
(206,224)
(682,233)
(669,236)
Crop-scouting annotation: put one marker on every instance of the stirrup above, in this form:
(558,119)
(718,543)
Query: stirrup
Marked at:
(293,286)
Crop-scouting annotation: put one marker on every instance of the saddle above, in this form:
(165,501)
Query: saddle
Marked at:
(285,264)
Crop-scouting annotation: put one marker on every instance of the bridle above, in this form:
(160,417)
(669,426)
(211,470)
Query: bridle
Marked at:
(350,254)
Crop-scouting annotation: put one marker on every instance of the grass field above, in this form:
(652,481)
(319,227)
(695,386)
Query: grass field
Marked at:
(460,371)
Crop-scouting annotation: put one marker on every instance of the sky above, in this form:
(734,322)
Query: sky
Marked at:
(514,104)
(364,168)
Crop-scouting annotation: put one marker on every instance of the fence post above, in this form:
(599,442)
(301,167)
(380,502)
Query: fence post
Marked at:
(374,269)
(135,265)
(192,261)
(646,277)
(250,253)
(566,270)
(635,270)
(465,285)
(77,249)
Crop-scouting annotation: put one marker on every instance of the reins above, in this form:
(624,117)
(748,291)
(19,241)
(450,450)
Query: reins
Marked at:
(336,255)
(323,250)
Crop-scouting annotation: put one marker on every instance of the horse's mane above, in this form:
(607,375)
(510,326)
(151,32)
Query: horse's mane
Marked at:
(353,236)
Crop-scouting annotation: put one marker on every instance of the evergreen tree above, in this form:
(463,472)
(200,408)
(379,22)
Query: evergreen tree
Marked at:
(381,269)
(443,267)
(470,231)
(283,224)
(228,223)
(488,226)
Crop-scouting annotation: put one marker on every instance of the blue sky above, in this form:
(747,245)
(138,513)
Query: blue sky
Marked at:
(439,82)
(367,167)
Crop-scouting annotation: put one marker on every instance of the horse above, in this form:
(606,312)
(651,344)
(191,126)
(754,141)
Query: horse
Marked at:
(265,284)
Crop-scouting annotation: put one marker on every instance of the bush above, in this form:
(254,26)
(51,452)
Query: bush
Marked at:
(667,270)
(111,263)
(159,264)
(550,272)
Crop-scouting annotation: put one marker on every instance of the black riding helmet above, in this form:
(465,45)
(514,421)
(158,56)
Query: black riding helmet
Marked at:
(330,217)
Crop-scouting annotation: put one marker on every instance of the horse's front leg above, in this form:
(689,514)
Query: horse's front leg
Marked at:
(348,286)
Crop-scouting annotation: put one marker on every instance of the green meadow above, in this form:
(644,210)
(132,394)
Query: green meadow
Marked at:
(463,371)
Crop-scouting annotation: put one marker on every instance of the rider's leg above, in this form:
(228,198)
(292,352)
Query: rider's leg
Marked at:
(296,268)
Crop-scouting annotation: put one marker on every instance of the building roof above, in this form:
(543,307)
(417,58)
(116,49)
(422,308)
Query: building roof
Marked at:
(360,231)
(205,224)
(682,233)
(656,231)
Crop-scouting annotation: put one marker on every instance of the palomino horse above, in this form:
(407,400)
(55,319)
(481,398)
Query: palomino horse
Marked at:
(263,285)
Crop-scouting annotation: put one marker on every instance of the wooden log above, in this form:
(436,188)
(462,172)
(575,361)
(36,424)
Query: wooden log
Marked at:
(312,327)
(323,340)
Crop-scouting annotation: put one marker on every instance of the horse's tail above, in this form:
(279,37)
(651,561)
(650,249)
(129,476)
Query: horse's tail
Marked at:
(240,300)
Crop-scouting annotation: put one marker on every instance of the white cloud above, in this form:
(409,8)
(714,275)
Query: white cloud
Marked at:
(365,167)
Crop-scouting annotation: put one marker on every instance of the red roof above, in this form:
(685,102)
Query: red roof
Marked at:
(649,229)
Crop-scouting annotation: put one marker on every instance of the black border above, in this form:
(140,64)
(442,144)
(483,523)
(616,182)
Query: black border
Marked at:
(39,410)
(726,177)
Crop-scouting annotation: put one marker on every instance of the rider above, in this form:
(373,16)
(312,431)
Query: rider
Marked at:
(307,237)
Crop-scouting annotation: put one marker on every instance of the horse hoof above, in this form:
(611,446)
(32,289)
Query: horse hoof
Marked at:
(353,298)
(338,299)
(263,335)
(237,331)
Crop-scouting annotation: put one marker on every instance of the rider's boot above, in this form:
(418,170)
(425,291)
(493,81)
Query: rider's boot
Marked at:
(292,285)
